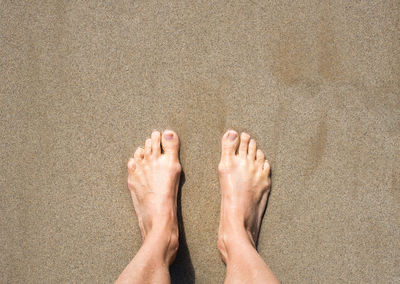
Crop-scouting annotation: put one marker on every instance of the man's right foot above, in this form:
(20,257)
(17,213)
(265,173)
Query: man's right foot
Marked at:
(245,184)
(153,181)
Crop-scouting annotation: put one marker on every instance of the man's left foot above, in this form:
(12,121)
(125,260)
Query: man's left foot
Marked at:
(153,182)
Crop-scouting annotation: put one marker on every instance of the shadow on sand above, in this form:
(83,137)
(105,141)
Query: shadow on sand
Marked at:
(181,270)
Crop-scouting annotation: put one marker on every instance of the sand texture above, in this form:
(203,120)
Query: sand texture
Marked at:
(316,83)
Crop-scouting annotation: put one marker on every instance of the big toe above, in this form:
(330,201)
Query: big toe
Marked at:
(230,142)
(170,143)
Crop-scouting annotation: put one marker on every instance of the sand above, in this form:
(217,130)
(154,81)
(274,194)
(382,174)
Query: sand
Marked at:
(316,84)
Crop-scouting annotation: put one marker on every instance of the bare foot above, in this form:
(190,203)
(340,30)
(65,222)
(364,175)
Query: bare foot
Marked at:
(153,181)
(245,185)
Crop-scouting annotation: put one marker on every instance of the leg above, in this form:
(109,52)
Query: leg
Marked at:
(153,183)
(245,184)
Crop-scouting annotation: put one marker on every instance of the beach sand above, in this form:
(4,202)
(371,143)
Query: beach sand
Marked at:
(316,84)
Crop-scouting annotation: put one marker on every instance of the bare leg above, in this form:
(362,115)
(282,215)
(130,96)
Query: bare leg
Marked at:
(153,182)
(245,184)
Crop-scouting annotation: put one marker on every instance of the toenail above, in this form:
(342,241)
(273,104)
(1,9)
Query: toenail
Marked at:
(169,136)
(232,135)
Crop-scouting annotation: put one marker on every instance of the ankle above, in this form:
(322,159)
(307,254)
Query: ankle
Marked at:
(163,239)
(234,239)
(230,240)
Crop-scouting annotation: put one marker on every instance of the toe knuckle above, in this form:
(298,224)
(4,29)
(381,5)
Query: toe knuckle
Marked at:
(175,167)
(222,167)
(130,183)
(178,168)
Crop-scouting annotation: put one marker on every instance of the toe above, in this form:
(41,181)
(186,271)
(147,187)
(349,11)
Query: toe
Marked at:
(155,143)
(131,165)
(252,149)
(267,167)
(229,143)
(147,149)
(260,158)
(170,143)
(244,144)
(139,154)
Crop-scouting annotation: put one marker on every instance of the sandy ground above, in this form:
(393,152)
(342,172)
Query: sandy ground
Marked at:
(83,83)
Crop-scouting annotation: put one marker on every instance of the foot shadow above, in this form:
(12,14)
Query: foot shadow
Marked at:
(182,270)
(265,209)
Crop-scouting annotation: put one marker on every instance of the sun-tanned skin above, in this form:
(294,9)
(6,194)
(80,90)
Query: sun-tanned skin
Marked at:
(153,182)
(245,184)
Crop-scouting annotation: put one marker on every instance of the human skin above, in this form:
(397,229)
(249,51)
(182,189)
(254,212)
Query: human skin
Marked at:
(153,181)
(244,177)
